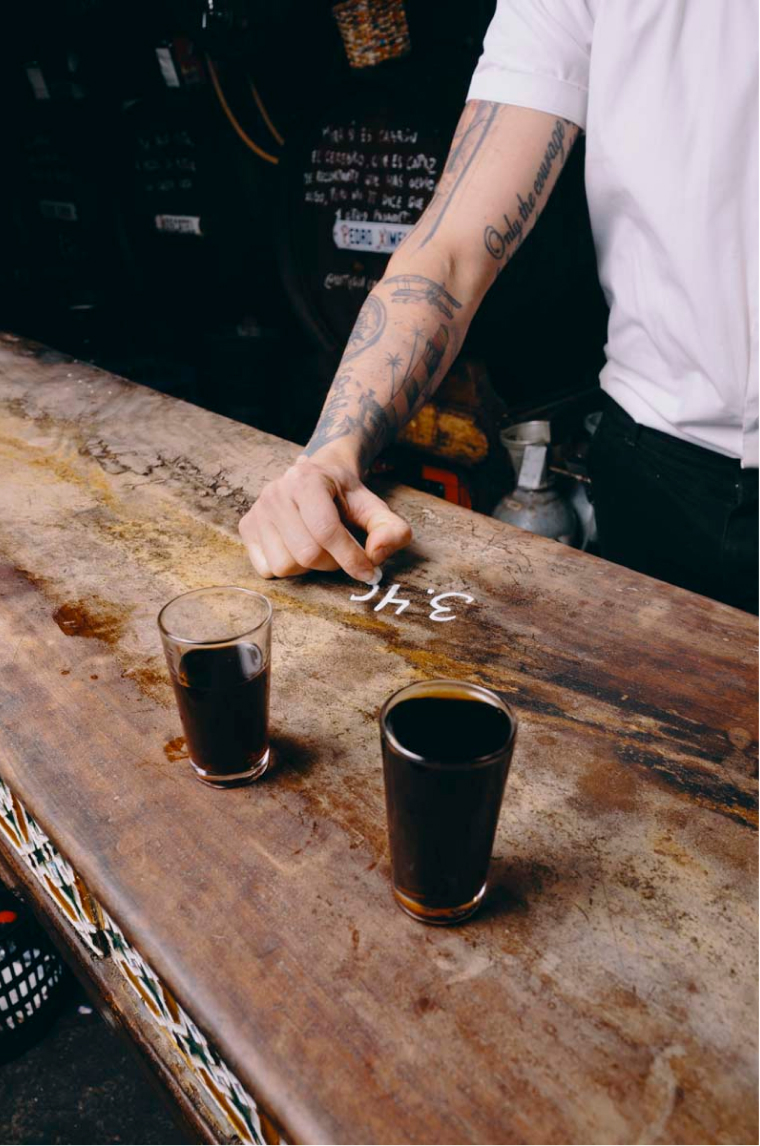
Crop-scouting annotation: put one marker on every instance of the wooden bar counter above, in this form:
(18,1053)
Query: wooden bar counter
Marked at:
(606,991)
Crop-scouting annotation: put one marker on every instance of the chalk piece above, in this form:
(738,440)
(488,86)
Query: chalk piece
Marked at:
(376,577)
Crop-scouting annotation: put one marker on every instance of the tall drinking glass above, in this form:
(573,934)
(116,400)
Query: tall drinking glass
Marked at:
(447,747)
(217,644)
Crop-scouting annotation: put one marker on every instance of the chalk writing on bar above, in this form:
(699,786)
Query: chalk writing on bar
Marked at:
(439,611)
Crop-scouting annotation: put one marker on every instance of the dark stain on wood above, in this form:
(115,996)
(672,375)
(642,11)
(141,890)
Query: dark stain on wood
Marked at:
(175,750)
(691,732)
(93,618)
(425,1004)
(703,787)
(153,681)
(32,578)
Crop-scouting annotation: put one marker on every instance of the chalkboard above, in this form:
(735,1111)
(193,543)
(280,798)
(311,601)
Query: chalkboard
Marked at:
(355,180)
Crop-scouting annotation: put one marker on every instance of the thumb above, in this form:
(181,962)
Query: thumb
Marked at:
(386,531)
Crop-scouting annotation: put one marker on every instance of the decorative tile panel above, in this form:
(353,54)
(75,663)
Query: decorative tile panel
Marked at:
(235,1107)
(55,874)
(235,1104)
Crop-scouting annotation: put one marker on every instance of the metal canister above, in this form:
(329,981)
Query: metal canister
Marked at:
(535,504)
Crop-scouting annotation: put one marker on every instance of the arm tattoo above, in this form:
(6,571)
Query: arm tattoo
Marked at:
(333,421)
(467,141)
(367,329)
(501,241)
(416,384)
(368,421)
(353,409)
(416,288)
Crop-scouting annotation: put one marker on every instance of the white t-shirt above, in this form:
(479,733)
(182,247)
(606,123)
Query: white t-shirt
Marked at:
(666,91)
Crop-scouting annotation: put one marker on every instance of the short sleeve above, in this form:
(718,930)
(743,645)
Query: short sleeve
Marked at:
(536,54)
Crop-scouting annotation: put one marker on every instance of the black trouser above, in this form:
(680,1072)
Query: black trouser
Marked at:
(675,511)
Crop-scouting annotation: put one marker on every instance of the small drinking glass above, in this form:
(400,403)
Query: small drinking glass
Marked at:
(217,643)
(447,747)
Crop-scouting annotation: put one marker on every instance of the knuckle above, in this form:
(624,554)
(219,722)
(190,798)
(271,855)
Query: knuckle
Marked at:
(298,475)
(324,529)
(267,495)
(307,555)
(260,565)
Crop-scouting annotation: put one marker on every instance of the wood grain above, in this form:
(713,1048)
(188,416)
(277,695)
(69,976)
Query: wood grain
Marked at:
(606,991)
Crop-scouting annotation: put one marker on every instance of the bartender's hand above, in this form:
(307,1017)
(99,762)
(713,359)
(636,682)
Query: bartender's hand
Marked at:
(299,522)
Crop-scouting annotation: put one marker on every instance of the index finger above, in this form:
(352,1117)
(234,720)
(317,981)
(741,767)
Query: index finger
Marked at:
(319,514)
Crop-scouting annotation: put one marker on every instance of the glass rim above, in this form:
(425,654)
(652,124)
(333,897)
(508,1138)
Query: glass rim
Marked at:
(478,691)
(165,631)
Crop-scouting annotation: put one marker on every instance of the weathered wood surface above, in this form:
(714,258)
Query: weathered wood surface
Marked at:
(606,991)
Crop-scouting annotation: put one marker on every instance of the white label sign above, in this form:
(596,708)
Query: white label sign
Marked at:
(52,209)
(179,224)
(168,70)
(37,80)
(383,238)
(533,468)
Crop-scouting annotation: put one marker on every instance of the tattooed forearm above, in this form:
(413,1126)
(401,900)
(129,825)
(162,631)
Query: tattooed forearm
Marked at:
(367,329)
(352,409)
(373,415)
(402,379)
(415,387)
(417,288)
(505,239)
(334,421)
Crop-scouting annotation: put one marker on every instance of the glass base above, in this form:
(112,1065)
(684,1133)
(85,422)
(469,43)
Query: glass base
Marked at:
(232,779)
(439,916)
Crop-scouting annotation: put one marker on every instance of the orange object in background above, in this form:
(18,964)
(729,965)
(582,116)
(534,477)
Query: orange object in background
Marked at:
(453,487)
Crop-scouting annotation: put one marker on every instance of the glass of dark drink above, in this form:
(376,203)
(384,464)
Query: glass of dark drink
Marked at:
(217,645)
(447,747)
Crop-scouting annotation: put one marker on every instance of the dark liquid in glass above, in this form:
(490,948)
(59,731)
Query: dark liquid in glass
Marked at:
(223,695)
(442,813)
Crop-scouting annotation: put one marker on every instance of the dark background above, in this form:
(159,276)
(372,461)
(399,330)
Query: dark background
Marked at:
(97,145)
